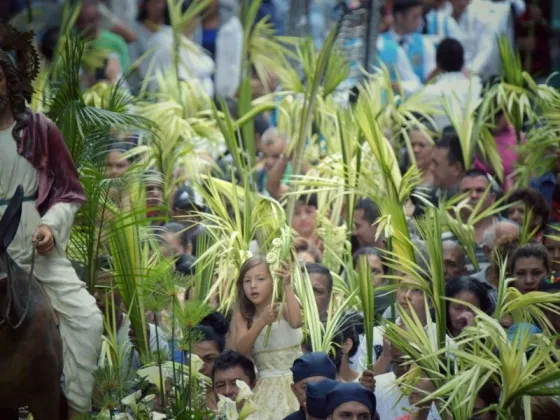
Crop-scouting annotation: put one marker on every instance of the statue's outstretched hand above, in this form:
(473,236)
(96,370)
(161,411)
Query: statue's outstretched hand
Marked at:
(43,240)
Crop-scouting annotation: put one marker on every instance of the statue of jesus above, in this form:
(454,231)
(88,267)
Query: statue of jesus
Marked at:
(34,155)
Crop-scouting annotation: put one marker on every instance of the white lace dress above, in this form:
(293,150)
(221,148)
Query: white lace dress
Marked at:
(273,395)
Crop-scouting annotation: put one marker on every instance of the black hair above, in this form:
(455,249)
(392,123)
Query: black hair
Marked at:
(261,124)
(552,229)
(308,199)
(370,209)
(48,43)
(469,284)
(450,55)
(532,250)
(369,250)
(143,13)
(490,394)
(534,200)
(213,327)
(400,6)
(121,147)
(351,323)
(230,359)
(450,140)
(185,264)
(424,124)
(475,173)
(315,268)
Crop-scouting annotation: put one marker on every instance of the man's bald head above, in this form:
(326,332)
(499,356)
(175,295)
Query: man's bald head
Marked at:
(453,260)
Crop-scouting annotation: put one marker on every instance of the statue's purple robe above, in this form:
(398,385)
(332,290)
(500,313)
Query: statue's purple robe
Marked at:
(43,146)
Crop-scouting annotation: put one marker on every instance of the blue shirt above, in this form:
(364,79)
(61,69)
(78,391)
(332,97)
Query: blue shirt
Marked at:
(209,40)
(545,185)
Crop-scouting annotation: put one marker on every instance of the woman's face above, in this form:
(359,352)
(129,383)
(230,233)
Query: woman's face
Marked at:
(116,165)
(376,270)
(154,195)
(422,149)
(257,285)
(460,315)
(528,273)
(304,219)
(517,214)
(553,248)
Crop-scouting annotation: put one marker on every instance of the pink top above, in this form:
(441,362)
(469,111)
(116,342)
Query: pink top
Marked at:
(506,143)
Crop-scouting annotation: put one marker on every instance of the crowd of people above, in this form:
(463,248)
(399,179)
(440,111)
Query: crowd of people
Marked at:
(442,52)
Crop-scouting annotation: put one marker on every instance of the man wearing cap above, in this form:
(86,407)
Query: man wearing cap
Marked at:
(308,369)
(316,398)
(350,401)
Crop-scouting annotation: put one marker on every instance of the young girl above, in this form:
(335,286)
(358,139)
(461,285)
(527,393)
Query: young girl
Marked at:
(470,290)
(254,313)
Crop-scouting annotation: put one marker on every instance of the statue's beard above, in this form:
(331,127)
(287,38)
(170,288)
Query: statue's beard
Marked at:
(4,103)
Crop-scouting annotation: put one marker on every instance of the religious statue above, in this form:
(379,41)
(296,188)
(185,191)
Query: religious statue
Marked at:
(34,155)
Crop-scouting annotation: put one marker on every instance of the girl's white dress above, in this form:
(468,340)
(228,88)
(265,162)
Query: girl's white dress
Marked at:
(273,394)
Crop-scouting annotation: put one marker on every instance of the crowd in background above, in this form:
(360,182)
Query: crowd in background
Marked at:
(438,48)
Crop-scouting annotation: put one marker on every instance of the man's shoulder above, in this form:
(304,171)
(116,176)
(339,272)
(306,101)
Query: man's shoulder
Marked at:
(298,415)
(547,177)
(34,118)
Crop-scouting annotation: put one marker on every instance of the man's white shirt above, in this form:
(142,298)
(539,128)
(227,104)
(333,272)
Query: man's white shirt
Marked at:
(453,86)
(479,41)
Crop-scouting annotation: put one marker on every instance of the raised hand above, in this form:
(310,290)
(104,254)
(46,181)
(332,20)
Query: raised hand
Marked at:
(367,380)
(285,273)
(270,314)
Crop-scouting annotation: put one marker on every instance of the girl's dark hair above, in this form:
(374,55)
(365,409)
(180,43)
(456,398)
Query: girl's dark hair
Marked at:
(352,322)
(533,250)
(244,305)
(367,251)
(468,284)
(213,327)
(308,199)
(534,200)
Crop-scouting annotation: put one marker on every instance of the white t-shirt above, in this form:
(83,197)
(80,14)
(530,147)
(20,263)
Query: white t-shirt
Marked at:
(390,401)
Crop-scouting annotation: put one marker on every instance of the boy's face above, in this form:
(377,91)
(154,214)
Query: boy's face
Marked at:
(364,231)
(411,299)
(304,219)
